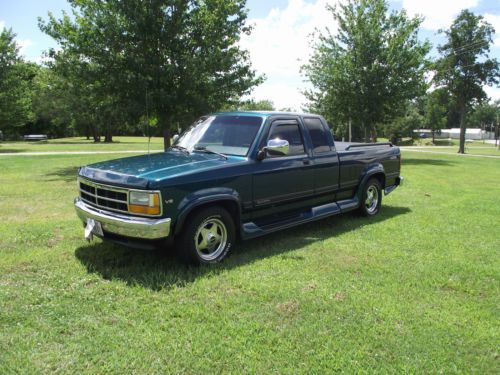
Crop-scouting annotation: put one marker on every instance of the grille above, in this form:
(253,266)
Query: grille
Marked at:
(104,196)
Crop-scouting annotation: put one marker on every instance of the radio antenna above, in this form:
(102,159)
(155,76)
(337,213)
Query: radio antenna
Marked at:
(147,120)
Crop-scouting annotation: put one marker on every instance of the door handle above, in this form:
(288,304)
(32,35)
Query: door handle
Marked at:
(306,161)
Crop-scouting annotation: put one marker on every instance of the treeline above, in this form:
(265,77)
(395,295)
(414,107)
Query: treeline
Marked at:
(374,75)
(149,67)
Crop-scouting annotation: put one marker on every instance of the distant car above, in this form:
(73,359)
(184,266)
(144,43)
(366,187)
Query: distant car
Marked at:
(423,135)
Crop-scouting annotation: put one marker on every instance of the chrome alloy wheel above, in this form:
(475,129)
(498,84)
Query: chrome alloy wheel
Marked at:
(210,239)
(371,201)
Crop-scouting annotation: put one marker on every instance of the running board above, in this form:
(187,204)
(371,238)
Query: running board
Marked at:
(251,230)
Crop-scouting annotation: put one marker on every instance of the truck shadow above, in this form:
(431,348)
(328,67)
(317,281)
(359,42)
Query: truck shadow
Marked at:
(159,270)
(66,174)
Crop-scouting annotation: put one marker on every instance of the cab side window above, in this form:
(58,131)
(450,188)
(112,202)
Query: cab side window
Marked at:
(291,133)
(318,135)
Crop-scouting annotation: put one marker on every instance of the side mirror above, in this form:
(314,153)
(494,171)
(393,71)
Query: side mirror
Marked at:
(175,138)
(276,146)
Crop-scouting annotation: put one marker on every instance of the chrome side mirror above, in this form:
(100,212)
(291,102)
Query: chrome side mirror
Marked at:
(276,146)
(175,138)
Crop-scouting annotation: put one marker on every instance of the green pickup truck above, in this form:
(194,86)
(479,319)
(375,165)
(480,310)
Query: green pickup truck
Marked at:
(234,176)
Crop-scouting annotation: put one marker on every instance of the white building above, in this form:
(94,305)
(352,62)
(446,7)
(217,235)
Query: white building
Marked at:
(454,133)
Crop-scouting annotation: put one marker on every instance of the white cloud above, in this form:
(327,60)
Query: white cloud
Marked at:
(494,20)
(439,14)
(24,44)
(493,92)
(280,44)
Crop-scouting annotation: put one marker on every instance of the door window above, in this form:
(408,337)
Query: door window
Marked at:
(291,133)
(318,135)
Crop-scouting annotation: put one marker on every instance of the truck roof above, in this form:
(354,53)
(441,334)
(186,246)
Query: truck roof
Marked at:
(262,113)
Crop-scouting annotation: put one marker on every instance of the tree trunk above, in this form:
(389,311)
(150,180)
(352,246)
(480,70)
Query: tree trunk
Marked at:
(165,122)
(461,148)
(95,133)
(108,138)
(373,133)
(433,137)
(166,138)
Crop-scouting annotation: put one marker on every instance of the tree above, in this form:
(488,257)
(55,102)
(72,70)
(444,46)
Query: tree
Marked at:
(436,110)
(465,66)
(251,105)
(403,126)
(180,56)
(16,78)
(370,69)
(484,116)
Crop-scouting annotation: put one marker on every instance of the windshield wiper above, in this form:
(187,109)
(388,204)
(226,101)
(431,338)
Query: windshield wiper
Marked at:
(204,149)
(180,148)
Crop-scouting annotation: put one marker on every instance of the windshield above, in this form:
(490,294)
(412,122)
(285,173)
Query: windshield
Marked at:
(232,135)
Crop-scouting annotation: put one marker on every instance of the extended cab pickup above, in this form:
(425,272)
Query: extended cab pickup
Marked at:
(234,176)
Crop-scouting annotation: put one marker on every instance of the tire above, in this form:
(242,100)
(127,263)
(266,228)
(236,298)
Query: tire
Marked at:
(371,199)
(207,236)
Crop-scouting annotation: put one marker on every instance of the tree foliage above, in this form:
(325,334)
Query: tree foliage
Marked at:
(436,110)
(485,116)
(465,67)
(16,77)
(370,69)
(251,105)
(178,58)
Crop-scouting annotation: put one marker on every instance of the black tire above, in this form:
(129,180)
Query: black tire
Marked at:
(207,236)
(371,198)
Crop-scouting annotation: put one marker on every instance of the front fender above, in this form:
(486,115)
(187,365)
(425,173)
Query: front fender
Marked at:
(202,197)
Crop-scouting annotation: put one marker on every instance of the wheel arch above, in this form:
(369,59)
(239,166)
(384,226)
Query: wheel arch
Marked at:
(375,171)
(227,198)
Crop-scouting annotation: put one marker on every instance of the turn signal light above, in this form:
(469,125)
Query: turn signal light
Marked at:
(144,203)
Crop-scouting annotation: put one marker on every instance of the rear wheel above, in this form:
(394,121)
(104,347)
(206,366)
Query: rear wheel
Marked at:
(207,237)
(371,199)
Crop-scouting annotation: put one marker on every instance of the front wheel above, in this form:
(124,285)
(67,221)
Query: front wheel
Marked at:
(371,199)
(207,237)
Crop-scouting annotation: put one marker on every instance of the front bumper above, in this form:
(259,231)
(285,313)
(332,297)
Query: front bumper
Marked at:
(129,226)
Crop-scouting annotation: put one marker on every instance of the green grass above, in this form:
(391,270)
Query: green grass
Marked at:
(82,144)
(415,289)
(475,148)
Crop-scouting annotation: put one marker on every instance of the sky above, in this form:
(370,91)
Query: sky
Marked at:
(280,42)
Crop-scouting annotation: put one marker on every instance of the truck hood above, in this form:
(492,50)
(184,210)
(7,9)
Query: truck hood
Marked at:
(144,170)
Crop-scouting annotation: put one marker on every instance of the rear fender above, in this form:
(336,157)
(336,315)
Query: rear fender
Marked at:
(374,170)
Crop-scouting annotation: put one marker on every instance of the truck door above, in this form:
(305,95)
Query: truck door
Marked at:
(326,161)
(282,183)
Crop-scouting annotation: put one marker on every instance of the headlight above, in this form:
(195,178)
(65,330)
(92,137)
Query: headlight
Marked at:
(144,203)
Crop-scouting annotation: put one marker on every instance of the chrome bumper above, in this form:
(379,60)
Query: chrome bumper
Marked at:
(128,226)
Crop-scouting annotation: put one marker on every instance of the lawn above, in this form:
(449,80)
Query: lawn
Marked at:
(413,290)
(474,148)
(82,144)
